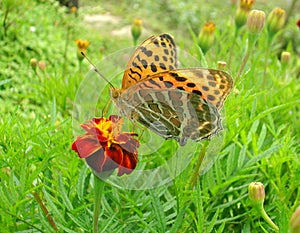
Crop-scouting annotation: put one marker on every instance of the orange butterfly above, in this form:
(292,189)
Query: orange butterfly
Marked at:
(174,103)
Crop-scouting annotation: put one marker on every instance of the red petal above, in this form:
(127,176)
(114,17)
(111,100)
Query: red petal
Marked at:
(111,161)
(85,145)
(128,164)
(95,161)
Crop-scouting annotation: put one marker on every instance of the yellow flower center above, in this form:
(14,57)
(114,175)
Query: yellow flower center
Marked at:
(246,4)
(109,130)
(137,22)
(82,44)
(209,27)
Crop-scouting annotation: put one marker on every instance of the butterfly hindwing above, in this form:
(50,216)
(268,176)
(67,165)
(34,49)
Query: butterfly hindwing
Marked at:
(171,113)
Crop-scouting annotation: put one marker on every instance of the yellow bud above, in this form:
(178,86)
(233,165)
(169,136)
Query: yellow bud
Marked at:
(221,65)
(246,4)
(136,29)
(73,9)
(295,221)
(256,21)
(256,193)
(275,20)
(206,36)
(82,46)
(241,17)
(33,63)
(285,57)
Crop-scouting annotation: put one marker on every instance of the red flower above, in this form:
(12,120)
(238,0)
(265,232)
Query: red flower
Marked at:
(298,23)
(105,148)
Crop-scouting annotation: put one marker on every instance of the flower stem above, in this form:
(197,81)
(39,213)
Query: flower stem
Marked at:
(195,175)
(251,42)
(266,60)
(98,188)
(236,32)
(267,219)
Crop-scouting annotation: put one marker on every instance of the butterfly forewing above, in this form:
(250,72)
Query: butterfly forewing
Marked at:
(155,55)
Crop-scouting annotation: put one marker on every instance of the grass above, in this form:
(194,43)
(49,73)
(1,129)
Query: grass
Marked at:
(45,187)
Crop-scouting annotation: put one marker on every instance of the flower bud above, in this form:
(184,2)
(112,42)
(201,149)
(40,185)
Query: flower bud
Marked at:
(295,221)
(42,65)
(33,63)
(275,20)
(136,29)
(285,57)
(256,193)
(82,46)
(256,21)
(246,4)
(206,36)
(221,65)
(242,12)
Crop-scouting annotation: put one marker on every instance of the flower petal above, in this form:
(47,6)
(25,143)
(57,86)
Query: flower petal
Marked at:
(85,145)
(128,164)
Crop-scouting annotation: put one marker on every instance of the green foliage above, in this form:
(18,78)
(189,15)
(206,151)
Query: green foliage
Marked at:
(45,187)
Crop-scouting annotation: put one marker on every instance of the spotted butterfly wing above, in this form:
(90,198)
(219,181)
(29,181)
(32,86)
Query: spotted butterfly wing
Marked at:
(174,103)
(155,55)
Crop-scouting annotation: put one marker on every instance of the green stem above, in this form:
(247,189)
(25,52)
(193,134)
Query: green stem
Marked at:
(251,42)
(196,172)
(236,32)
(268,220)
(266,60)
(98,188)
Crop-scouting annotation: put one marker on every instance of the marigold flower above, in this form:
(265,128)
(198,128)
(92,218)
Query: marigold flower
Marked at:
(275,20)
(206,36)
(105,148)
(256,193)
(242,12)
(256,21)
(295,221)
(82,46)
(136,29)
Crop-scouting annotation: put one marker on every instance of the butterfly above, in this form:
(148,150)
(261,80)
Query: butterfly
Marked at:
(174,103)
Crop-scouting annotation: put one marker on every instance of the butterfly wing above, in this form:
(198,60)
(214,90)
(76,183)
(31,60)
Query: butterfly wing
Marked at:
(209,84)
(155,55)
(179,104)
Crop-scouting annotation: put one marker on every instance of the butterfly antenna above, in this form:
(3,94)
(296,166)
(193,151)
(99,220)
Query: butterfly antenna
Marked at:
(96,70)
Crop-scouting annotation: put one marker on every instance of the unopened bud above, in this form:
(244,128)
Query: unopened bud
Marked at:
(33,63)
(82,46)
(275,20)
(42,65)
(256,21)
(221,65)
(242,12)
(136,29)
(256,193)
(285,57)
(206,36)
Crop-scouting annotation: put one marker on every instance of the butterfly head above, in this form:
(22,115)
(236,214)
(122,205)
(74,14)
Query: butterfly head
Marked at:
(115,93)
